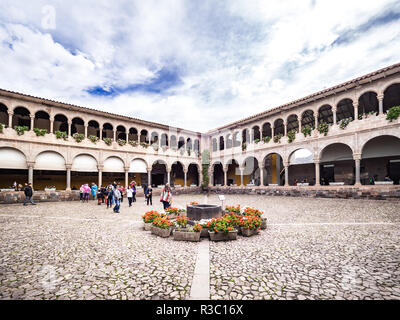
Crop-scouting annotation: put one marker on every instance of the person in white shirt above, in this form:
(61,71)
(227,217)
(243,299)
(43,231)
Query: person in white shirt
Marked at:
(129,194)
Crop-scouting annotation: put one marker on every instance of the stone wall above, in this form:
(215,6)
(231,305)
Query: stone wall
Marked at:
(346,192)
(8,197)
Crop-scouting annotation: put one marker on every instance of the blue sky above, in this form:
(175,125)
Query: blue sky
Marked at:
(191,64)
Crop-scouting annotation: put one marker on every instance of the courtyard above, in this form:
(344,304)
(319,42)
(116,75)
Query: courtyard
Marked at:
(313,248)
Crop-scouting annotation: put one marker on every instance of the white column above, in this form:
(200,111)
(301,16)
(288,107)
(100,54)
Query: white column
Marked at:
(334,110)
(241,176)
(126,177)
(149,176)
(68,166)
(261,176)
(317,174)
(185,171)
(100,182)
(115,135)
(51,124)
(69,129)
(380,100)
(211,177)
(225,169)
(30,172)
(101,133)
(286,165)
(10,116)
(86,131)
(357,160)
(355,106)
(169,176)
(32,121)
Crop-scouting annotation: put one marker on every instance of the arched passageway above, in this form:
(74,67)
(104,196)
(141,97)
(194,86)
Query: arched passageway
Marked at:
(301,168)
(159,173)
(381,160)
(233,174)
(3,115)
(177,174)
(77,126)
(49,171)
(42,120)
(337,165)
(13,167)
(193,175)
(391,97)
(93,129)
(218,175)
(251,172)
(368,103)
(108,131)
(274,171)
(21,117)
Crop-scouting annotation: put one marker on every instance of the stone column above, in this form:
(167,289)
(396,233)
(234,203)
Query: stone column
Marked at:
(51,124)
(211,177)
(334,110)
(286,165)
(101,134)
(285,127)
(317,176)
(316,120)
(126,177)
(86,131)
(169,176)
(100,168)
(272,131)
(32,121)
(68,167)
(357,160)
(380,100)
(185,171)
(149,176)
(115,135)
(262,176)
(69,129)
(200,174)
(30,171)
(225,169)
(241,176)
(355,106)
(10,117)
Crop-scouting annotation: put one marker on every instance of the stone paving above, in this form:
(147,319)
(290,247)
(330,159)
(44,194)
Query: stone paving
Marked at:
(312,249)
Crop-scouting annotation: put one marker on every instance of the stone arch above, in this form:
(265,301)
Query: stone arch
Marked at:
(292,123)
(159,172)
(345,109)
(251,172)
(121,133)
(368,102)
(21,117)
(144,136)
(233,172)
(325,114)
(77,126)
(256,134)
(164,140)
(308,118)
(221,143)
(42,120)
(13,166)
(108,131)
(229,141)
(272,166)
(337,164)
(279,127)
(3,114)
(391,96)
(93,128)
(236,139)
(214,144)
(301,166)
(60,123)
(193,174)
(218,173)
(177,173)
(267,130)
(133,134)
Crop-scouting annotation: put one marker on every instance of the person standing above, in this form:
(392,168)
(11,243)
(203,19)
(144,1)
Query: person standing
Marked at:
(81,192)
(86,193)
(166,196)
(94,188)
(129,194)
(117,196)
(133,193)
(28,191)
(149,195)
(110,196)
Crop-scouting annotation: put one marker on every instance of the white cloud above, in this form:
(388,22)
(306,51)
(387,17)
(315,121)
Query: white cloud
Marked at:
(234,59)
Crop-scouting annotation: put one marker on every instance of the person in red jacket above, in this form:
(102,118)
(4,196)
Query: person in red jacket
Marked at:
(166,196)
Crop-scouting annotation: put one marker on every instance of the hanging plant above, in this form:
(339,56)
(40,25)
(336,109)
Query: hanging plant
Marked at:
(78,137)
(267,139)
(256,141)
(144,144)
(108,141)
(121,142)
(61,135)
(94,139)
(345,122)
(244,146)
(306,130)
(277,138)
(393,113)
(133,143)
(366,115)
(291,135)
(1,128)
(21,129)
(323,128)
(40,132)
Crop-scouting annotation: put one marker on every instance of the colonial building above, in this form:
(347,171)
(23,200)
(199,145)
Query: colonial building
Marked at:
(338,136)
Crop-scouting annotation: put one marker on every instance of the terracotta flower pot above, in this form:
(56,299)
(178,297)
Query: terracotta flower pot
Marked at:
(220,236)
(163,233)
(186,236)
(246,232)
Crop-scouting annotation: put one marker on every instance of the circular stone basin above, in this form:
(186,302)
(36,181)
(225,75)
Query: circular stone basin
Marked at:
(203,211)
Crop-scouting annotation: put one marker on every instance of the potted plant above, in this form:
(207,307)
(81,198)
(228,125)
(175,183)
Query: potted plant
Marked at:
(252,212)
(291,135)
(173,212)
(61,135)
(267,139)
(162,227)
(306,130)
(144,145)
(78,137)
(181,222)
(21,129)
(1,128)
(277,138)
(221,230)
(40,132)
(148,219)
(121,142)
(323,128)
(345,122)
(133,143)
(256,141)
(234,209)
(393,113)
(244,146)
(188,234)
(250,225)
(93,138)
(107,141)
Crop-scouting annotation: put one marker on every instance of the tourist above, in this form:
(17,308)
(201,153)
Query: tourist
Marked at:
(166,196)
(129,194)
(145,192)
(148,196)
(86,193)
(81,192)
(94,188)
(15,186)
(387,178)
(133,193)
(103,191)
(110,196)
(122,191)
(28,191)
(117,196)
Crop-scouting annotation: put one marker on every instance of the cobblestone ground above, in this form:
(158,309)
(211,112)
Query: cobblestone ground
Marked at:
(312,249)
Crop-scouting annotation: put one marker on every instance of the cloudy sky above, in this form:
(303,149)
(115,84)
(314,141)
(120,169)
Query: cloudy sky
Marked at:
(192,64)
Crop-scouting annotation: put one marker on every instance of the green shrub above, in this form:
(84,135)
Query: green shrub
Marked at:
(306,130)
(144,144)
(323,128)
(393,113)
(121,142)
(78,137)
(40,132)
(21,129)
(344,122)
(94,139)
(61,135)
(291,135)
(108,141)
(1,128)
(133,143)
(267,139)
(277,138)
(244,146)
(256,141)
